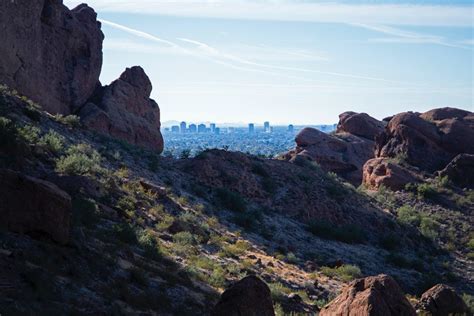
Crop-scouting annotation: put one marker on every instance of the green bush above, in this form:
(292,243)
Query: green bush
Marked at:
(29,133)
(345,272)
(184,239)
(390,242)
(80,159)
(231,200)
(149,244)
(217,277)
(8,133)
(469,300)
(351,234)
(125,233)
(427,191)
(69,120)
(248,219)
(127,203)
(85,212)
(429,227)
(52,141)
(408,215)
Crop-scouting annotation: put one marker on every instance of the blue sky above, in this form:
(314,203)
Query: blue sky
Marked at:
(288,61)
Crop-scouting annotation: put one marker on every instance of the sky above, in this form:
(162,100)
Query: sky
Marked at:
(292,61)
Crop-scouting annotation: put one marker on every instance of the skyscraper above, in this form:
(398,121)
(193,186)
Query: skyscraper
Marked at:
(213,127)
(183,127)
(201,128)
(266,127)
(251,128)
(175,129)
(291,128)
(192,128)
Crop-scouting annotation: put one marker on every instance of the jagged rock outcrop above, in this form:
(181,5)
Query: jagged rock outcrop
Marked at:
(460,171)
(441,300)
(379,172)
(375,296)
(429,140)
(124,110)
(344,152)
(250,296)
(32,206)
(51,54)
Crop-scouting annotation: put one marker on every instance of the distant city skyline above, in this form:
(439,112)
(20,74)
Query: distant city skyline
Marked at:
(292,61)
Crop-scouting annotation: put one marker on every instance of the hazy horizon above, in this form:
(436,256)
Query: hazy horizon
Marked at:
(292,61)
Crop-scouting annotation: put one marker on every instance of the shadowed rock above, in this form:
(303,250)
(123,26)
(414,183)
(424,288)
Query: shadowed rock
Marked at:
(382,172)
(250,296)
(33,206)
(124,110)
(51,54)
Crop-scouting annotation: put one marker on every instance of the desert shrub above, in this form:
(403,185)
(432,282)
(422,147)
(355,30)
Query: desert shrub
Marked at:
(260,170)
(127,203)
(149,244)
(408,215)
(269,185)
(165,222)
(29,133)
(52,141)
(85,212)
(469,300)
(231,200)
(279,292)
(248,220)
(470,244)
(426,191)
(291,258)
(217,277)
(8,133)
(125,233)
(351,234)
(185,154)
(235,250)
(385,197)
(184,238)
(69,120)
(390,241)
(345,272)
(80,159)
(429,227)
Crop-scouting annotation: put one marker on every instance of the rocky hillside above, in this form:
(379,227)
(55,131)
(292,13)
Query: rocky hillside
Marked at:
(375,219)
(94,225)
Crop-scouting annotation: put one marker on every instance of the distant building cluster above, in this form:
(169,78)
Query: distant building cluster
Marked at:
(183,128)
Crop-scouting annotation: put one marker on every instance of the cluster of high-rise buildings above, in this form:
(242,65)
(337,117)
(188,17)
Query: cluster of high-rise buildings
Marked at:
(202,128)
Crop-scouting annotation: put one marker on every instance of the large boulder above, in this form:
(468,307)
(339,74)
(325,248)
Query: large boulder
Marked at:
(124,110)
(429,140)
(359,124)
(460,170)
(441,300)
(383,172)
(33,206)
(51,54)
(343,153)
(375,296)
(250,296)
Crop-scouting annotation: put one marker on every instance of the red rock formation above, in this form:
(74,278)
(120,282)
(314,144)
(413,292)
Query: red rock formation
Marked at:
(250,296)
(375,296)
(381,171)
(460,170)
(49,53)
(33,206)
(359,124)
(441,300)
(429,140)
(124,110)
(344,152)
